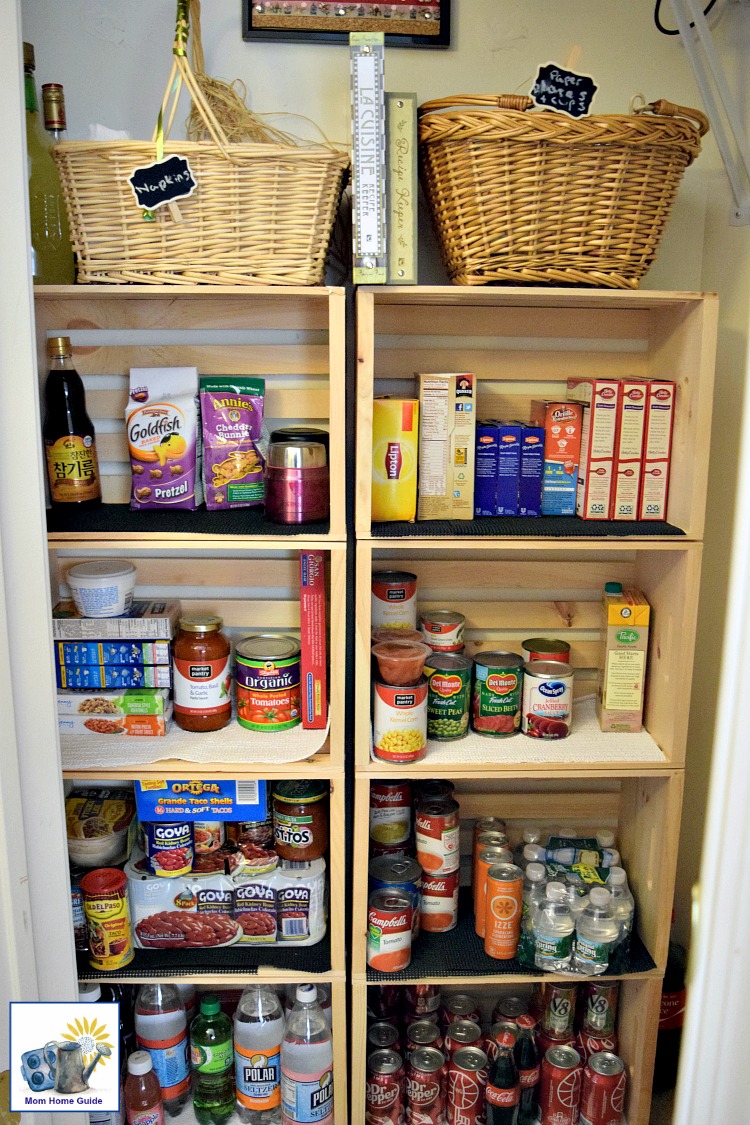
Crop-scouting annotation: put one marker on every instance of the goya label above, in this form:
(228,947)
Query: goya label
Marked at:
(497,700)
(170,1062)
(257,1076)
(307,1098)
(72,469)
(216,1059)
(448,697)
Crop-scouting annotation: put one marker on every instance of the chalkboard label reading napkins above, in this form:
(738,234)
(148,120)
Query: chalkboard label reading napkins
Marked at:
(564,90)
(162,182)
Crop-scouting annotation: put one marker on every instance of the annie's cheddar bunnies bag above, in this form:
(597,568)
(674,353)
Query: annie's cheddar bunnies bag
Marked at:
(164,438)
(234,440)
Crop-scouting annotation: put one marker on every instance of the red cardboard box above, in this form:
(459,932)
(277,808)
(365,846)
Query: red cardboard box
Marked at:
(657,450)
(313,654)
(628,470)
(600,399)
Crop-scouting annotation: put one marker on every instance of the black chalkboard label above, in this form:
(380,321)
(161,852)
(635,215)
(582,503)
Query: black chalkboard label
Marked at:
(563,90)
(162,182)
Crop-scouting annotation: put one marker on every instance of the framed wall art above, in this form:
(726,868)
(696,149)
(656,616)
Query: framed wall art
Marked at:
(405,23)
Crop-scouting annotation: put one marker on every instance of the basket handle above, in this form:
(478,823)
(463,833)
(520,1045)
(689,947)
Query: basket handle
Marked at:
(520,102)
(669,109)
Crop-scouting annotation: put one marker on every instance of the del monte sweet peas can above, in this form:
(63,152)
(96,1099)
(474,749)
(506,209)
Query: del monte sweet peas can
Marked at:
(498,679)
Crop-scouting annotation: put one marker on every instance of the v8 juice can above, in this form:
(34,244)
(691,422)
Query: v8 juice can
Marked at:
(547,699)
(448,696)
(399,722)
(502,925)
(394,599)
(498,679)
(268,682)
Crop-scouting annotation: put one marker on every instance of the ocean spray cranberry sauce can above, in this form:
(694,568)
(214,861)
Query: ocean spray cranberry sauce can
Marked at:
(547,699)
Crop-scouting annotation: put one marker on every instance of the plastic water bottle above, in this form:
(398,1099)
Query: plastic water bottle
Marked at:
(307,1063)
(532,853)
(534,886)
(623,904)
(142,1093)
(576,891)
(212,1059)
(600,857)
(553,928)
(324,999)
(258,1031)
(161,1029)
(596,932)
(531,835)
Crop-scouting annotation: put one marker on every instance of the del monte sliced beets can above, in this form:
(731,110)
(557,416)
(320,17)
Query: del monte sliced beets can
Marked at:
(498,680)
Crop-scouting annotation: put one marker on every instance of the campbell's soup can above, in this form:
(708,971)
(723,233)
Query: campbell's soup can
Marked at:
(422,1033)
(169,847)
(105,904)
(462,1033)
(390,812)
(448,696)
(547,699)
(560,1086)
(603,1092)
(425,1087)
(386,1088)
(544,648)
(267,670)
(378,850)
(443,630)
(389,923)
(394,599)
(399,873)
(399,722)
(439,903)
(437,830)
(502,925)
(496,704)
(467,1083)
(487,858)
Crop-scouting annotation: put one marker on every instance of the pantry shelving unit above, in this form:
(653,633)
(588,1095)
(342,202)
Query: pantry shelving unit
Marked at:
(515,578)
(236,564)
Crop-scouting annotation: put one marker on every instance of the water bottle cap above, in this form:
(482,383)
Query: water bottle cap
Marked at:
(534,852)
(605,838)
(556,891)
(599,896)
(306,994)
(535,872)
(617,876)
(210,1005)
(140,1062)
(532,835)
(89,993)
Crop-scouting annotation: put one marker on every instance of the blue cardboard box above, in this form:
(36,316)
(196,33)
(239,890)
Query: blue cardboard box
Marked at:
(508,468)
(485,469)
(532,471)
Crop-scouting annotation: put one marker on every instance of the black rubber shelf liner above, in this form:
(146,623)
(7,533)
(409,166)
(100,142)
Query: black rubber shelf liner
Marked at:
(235,960)
(460,953)
(113,518)
(517,527)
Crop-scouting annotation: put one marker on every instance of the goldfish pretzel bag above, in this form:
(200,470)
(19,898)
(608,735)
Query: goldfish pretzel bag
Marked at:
(164,438)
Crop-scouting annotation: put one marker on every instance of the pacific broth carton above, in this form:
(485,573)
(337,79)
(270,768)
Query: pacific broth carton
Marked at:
(624,652)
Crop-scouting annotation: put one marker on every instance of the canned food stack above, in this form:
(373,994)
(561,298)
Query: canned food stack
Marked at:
(547,1058)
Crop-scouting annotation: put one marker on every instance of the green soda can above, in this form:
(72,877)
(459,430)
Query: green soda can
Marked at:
(448,696)
(498,683)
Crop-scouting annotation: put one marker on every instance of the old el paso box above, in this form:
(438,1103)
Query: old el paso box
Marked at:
(162,799)
(600,399)
(312,620)
(657,450)
(625,624)
(562,447)
(447,435)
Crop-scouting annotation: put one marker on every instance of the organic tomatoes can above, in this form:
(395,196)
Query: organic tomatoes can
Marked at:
(268,682)
(439,904)
(498,679)
(399,722)
(389,924)
(438,850)
(547,699)
(502,925)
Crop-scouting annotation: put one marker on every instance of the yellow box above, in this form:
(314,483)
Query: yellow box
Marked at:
(395,442)
(625,624)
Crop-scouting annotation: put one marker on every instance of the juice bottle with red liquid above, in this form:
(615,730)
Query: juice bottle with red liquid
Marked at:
(143,1104)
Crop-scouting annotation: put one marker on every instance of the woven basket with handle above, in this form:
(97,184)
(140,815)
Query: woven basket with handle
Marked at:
(262,214)
(542,198)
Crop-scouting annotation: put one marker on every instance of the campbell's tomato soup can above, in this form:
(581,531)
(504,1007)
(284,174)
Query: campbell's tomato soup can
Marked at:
(560,1086)
(496,704)
(394,599)
(439,904)
(386,1088)
(390,812)
(425,1087)
(422,999)
(208,835)
(422,1033)
(399,873)
(487,858)
(544,648)
(437,829)
(547,699)
(502,925)
(462,1033)
(169,847)
(588,1045)
(389,923)
(105,906)
(448,696)
(603,1092)
(460,1006)
(467,1082)
(399,722)
(267,670)
(443,630)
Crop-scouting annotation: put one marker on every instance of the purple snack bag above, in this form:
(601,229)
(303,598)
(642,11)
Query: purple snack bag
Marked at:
(234,465)
(164,441)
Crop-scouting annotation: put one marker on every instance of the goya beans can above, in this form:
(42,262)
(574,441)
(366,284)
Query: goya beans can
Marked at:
(398,873)
(547,699)
(425,1087)
(300,819)
(443,630)
(390,811)
(503,911)
(394,599)
(439,903)
(544,648)
(467,1082)
(487,858)
(496,707)
(268,682)
(603,1092)
(437,824)
(169,847)
(399,722)
(600,999)
(560,1086)
(385,1090)
(448,696)
(389,921)
(105,905)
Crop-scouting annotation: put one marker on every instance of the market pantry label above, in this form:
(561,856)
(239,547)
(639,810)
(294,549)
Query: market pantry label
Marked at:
(564,90)
(163,182)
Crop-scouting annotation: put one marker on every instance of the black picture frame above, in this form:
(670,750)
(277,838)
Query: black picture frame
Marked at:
(251,33)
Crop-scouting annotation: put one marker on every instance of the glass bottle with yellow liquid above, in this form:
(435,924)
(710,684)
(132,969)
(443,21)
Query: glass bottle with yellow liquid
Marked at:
(69,437)
(52,254)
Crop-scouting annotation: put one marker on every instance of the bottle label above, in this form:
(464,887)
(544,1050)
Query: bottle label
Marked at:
(153,1116)
(529,1078)
(672,1010)
(503,1097)
(258,1076)
(553,949)
(201,686)
(592,952)
(72,469)
(170,1062)
(307,1098)
(217,1059)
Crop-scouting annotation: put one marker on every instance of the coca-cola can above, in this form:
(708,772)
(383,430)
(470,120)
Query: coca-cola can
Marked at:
(422,1033)
(560,1086)
(509,1008)
(460,1006)
(425,1087)
(411,1017)
(382,1036)
(558,1010)
(498,1028)
(603,1094)
(600,1007)
(385,1091)
(588,1045)
(467,1081)
(544,1042)
(422,998)
(462,1033)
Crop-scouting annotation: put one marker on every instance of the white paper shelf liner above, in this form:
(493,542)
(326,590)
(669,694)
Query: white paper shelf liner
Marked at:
(586,745)
(233,745)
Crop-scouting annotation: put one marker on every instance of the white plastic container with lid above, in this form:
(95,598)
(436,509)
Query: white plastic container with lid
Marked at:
(103,588)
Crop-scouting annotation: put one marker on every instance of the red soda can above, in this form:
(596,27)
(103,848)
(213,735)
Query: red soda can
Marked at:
(422,998)
(385,1091)
(460,1006)
(411,1017)
(425,1087)
(422,1033)
(560,1086)
(384,1001)
(383,1036)
(509,1008)
(588,1045)
(603,1095)
(467,1081)
(462,1033)
(544,1042)
(600,1007)
(558,1004)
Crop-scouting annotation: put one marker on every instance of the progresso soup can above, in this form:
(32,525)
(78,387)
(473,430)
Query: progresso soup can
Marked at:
(268,682)
(498,681)
(394,599)
(448,696)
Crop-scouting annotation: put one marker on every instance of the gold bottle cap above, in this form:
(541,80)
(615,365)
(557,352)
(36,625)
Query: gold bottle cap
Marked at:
(59,346)
(28,56)
(53,99)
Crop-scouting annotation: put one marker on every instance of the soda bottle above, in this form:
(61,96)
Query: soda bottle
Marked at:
(190,1004)
(623,905)
(307,1063)
(143,1104)
(596,933)
(161,1029)
(503,1085)
(553,928)
(212,1060)
(324,999)
(258,1031)
(671,1017)
(109,993)
(534,883)
(526,1057)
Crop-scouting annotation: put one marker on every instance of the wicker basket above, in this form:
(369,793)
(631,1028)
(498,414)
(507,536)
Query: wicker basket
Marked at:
(262,214)
(542,198)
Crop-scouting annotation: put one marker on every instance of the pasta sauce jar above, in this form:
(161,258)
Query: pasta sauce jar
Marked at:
(202,678)
(300,819)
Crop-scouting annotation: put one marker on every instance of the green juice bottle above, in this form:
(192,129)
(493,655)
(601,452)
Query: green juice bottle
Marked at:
(212,1060)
